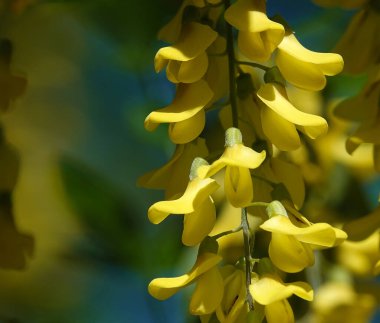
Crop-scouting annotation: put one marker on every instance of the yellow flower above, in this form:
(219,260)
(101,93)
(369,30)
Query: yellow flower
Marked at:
(187,60)
(281,120)
(360,45)
(209,288)
(360,257)
(258,36)
(304,68)
(196,204)
(368,116)
(270,291)
(339,303)
(238,160)
(173,176)
(294,238)
(172,30)
(233,302)
(185,114)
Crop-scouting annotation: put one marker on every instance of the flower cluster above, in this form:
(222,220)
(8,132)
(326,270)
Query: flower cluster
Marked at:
(247,80)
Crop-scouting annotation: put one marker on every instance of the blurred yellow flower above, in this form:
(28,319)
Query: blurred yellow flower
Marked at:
(258,36)
(173,177)
(185,114)
(360,45)
(337,302)
(209,288)
(197,206)
(304,68)
(294,238)
(238,160)
(187,60)
(281,120)
(269,290)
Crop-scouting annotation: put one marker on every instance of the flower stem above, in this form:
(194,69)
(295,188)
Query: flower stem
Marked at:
(224,233)
(247,255)
(265,204)
(253,64)
(231,69)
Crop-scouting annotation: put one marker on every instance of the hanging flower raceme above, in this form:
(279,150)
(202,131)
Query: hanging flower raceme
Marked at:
(209,288)
(294,238)
(304,68)
(186,114)
(187,60)
(238,160)
(281,120)
(258,36)
(196,204)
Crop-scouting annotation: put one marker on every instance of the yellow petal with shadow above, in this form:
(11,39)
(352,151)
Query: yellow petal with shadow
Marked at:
(238,155)
(208,293)
(198,224)
(313,125)
(304,68)
(280,311)
(194,40)
(282,133)
(270,289)
(238,186)
(189,100)
(187,130)
(197,191)
(289,254)
(189,71)
(163,288)
(320,234)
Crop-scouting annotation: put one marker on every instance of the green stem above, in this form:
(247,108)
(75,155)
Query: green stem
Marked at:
(231,69)
(247,255)
(224,233)
(257,65)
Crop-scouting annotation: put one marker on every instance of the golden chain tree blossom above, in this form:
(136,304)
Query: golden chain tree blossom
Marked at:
(245,74)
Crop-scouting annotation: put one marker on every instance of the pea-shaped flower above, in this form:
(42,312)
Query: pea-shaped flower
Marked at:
(294,238)
(209,285)
(270,291)
(304,68)
(196,204)
(187,60)
(258,35)
(173,176)
(185,115)
(281,120)
(238,160)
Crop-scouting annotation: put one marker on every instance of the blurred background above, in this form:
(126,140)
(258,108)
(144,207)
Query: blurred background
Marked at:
(77,243)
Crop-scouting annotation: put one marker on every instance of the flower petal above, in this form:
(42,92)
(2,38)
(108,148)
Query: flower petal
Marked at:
(270,289)
(189,71)
(196,192)
(189,100)
(163,288)
(289,254)
(187,130)
(321,234)
(314,126)
(363,227)
(280,311)
(174,175)
(282,133)
(198,224)
(194,39)
(238,186)
(208,293)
